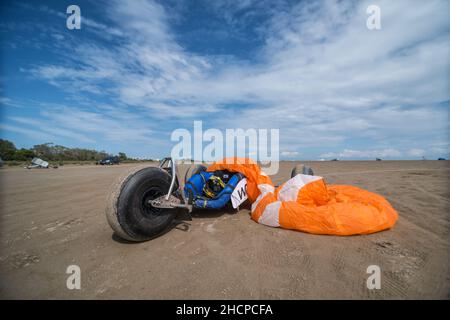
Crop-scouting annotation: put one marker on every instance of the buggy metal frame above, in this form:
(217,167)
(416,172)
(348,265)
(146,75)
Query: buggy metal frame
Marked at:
(173,198)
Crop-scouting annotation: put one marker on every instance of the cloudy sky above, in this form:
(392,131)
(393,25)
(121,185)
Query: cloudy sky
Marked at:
(139,69)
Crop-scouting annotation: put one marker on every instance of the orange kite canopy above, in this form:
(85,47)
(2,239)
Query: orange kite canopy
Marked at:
(306,203)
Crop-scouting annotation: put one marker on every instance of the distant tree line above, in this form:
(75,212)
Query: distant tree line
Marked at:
(52,152)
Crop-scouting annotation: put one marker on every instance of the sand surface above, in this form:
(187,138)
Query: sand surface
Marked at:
(54,218)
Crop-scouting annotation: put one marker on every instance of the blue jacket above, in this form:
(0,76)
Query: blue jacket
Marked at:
(195,186)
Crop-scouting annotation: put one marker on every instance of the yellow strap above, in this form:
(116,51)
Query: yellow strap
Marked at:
(222,184)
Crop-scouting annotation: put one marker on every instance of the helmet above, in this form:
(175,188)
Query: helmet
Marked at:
(213,186)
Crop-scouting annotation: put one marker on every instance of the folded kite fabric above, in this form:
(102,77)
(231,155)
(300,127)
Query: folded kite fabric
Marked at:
(306,203)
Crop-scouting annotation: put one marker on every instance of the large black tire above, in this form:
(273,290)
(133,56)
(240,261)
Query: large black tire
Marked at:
(128,212)
(192,170)
(301,168)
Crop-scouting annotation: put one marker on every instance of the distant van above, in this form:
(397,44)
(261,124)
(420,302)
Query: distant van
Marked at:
(109,160)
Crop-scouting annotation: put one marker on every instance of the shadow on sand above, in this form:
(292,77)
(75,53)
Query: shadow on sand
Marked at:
(181,220)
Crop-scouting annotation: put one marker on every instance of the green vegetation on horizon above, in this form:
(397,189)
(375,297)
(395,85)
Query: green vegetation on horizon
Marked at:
(52,152)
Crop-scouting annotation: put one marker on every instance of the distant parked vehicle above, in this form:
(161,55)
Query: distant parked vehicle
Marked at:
(334,160)
(38,163)
(109,161)
(441,159)
(378,159)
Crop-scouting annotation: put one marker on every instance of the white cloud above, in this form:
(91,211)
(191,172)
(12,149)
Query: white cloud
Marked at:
(52,131)
(367,154)
(31,133)
(289,153)
(110,124)
(416,152)
(311,56)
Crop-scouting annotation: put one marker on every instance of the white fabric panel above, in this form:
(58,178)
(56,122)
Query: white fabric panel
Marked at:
(271,214)
(239,194)
(265,189)
(290,189)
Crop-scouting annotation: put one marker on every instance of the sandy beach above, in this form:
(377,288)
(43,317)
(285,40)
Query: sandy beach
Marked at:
(54,218)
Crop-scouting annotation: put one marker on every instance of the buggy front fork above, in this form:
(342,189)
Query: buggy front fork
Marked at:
(169,200)
(173,169)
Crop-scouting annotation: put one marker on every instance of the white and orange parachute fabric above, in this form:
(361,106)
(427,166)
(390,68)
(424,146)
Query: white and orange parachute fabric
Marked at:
(306,203)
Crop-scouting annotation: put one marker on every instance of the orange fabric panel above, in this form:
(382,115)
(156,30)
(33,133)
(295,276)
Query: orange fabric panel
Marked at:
(258,211)
(314,194)
(348,217)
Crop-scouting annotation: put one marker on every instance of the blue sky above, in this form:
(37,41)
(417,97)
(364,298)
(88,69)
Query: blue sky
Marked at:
(139,69)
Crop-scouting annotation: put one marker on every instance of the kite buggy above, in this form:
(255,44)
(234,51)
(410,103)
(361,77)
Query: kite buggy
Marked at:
(143,203)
